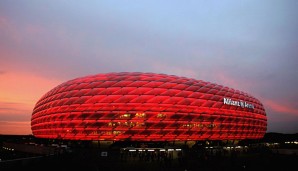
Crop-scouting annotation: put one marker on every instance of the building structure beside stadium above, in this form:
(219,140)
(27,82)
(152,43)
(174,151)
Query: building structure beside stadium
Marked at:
(147,107)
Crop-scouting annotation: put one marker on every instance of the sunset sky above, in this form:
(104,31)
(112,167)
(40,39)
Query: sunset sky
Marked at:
(249,45)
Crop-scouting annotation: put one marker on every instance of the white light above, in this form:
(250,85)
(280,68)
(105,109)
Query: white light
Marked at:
(150,150)
(132,150)
(178,149)
(170,149)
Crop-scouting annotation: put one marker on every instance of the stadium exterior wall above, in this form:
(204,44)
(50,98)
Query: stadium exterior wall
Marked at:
(147,107)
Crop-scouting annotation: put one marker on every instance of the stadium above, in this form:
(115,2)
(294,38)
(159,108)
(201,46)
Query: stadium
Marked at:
(139,106)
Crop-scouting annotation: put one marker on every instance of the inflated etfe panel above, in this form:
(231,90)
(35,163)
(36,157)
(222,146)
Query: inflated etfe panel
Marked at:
(147,107)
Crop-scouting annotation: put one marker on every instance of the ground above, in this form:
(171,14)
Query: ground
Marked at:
(91,160)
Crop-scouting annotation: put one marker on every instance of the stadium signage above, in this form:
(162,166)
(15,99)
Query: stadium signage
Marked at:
(240,103)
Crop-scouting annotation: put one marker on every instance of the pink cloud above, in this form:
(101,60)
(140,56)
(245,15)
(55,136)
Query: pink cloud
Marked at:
(8,29)
(168,69)
(226,80)
(280,107)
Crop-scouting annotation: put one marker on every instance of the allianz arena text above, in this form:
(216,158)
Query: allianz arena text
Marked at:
(147,107)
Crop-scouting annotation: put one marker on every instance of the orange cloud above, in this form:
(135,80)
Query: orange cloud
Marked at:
(15,128)
(19,91)
(24,88)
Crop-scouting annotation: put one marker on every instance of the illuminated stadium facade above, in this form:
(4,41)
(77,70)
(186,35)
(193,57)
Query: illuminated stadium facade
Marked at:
(147,107)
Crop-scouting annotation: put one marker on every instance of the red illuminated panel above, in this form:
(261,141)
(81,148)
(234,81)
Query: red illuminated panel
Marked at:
(147,107)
